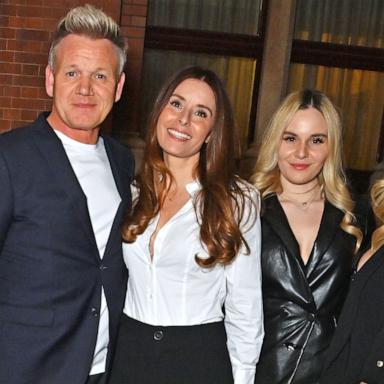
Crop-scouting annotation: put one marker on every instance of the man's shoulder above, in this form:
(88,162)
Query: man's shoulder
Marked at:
(15,140)
(21,134)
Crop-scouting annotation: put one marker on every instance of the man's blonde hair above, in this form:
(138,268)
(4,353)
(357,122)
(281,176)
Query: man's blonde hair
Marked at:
(92,22)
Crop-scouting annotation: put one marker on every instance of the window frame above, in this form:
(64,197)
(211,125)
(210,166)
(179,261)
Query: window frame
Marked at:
(302,52)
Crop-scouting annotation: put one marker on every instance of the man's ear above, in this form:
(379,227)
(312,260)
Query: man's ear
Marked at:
(49,80)
(119,88)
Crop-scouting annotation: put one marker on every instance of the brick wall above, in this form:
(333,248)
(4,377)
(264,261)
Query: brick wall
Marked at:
(25,32)
(126,114)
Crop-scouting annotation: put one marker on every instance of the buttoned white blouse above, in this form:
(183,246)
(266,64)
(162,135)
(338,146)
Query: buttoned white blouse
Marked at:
(171,289)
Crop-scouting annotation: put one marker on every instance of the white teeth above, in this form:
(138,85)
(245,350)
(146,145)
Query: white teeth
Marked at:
(178,134)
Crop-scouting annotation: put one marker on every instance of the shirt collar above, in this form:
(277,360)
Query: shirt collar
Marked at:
(193,187)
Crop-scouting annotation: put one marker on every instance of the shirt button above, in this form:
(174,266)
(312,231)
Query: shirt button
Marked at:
(95,312)
(379,363)
(158,335)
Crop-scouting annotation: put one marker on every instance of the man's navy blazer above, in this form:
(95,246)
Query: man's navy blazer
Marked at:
(51,273)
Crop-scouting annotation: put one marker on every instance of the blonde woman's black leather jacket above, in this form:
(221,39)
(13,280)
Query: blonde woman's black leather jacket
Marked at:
(301,302)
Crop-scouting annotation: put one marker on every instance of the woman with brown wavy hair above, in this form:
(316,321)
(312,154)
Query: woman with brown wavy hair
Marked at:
(308,234)
(193,310)
(356,354)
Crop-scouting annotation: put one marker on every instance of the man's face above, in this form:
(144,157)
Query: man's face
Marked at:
(84,85)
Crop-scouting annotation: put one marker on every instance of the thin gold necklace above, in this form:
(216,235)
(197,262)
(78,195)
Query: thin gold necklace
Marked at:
(303,205)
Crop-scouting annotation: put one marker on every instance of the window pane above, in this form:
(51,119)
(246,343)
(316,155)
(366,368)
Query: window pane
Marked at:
(236,73)
(231,16)
(359,96)
(351,22)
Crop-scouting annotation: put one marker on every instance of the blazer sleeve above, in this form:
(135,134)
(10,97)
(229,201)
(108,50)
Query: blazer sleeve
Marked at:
(6,200)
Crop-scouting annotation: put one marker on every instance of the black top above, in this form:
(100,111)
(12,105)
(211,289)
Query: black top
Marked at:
(357,351)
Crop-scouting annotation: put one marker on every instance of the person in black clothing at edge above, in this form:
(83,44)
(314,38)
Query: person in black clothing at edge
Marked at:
(309,237)
(356,354)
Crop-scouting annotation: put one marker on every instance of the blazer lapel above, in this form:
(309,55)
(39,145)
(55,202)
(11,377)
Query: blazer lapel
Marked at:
(53,152)
(123,175)
(116,170)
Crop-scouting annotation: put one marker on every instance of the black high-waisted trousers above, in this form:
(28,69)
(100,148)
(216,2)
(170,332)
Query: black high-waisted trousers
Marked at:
(147,354)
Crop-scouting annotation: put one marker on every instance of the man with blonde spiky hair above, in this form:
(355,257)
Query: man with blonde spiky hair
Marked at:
(64,188)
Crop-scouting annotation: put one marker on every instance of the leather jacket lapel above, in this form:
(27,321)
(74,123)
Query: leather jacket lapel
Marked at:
(275,216)
(329,226)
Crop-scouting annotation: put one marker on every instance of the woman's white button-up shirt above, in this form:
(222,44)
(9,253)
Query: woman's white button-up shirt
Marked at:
(171,289)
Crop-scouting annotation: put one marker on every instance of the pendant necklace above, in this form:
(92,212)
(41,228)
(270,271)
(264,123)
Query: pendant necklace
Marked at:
(302,205)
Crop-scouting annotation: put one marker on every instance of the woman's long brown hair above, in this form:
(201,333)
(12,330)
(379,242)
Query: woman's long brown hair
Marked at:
(220,202)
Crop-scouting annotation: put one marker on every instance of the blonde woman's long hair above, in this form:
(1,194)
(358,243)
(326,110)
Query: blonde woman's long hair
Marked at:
(332,178)
(377,202)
